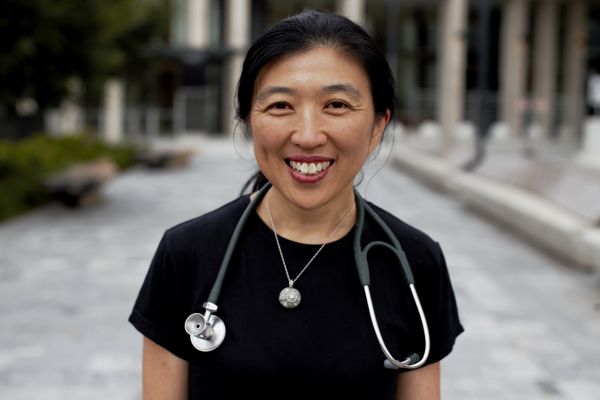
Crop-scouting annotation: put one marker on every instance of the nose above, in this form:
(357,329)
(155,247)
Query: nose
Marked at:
(308,132)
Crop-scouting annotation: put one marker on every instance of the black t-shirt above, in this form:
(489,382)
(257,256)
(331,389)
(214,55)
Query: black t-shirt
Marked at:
(326,346)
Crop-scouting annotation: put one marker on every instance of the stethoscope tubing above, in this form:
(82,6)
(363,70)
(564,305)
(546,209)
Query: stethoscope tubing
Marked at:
(413,361)
(360,254)
(216,288)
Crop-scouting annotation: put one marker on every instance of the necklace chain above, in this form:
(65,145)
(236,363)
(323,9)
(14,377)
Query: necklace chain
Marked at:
(292,281)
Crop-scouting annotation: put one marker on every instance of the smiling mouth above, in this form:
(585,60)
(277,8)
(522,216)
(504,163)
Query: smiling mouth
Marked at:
(309,168)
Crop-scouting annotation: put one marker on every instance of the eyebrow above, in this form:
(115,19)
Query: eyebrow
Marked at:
(343,87)
(336,87)
(273,90)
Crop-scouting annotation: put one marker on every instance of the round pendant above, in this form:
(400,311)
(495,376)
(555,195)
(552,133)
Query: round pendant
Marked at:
(289,297)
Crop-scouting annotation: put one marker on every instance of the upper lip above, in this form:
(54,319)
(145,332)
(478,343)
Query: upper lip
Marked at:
(309,159)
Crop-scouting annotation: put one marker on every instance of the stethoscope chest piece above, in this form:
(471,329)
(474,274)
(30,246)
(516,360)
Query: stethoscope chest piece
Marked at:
(205,336)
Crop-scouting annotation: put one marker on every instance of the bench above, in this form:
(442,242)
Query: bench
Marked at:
(575,189)
(81,184)
(555,205)
(558,204)
(165,158)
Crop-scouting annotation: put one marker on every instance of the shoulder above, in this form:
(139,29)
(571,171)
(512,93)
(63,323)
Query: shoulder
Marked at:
(432,280)
(423,253)
(407,234)
(207,228)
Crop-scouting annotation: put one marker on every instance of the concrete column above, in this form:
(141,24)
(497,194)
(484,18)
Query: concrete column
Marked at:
(68,118)
(353,10)
(198,23)
(237,36)
(574,64)
(112,111)
(408,91)
(451,68)
(545,46)
(513,63)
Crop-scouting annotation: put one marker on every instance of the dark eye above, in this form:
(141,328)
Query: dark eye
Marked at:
(280,105)
(337,104)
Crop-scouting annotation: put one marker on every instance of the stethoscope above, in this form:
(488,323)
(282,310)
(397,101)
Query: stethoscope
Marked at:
(207,331)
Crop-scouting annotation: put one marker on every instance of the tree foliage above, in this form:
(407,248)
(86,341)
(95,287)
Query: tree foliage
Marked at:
(45,43)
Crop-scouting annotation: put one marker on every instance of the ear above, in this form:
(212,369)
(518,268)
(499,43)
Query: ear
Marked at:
(381,121)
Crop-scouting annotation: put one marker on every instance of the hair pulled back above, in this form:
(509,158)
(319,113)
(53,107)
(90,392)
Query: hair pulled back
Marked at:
(305,31)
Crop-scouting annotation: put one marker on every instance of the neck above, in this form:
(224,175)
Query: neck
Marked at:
(313,226)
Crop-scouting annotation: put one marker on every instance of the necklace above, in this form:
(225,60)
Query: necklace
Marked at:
(289,297)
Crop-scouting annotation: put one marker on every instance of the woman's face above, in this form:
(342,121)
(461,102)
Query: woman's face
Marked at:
(313,125)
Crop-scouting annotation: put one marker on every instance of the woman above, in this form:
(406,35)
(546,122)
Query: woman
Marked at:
(316,95)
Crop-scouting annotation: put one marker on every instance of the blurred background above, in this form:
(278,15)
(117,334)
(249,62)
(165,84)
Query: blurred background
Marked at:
(519,74)
(498,121)
(69,66)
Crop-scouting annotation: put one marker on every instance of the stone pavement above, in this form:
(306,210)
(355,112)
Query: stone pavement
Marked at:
(68,281)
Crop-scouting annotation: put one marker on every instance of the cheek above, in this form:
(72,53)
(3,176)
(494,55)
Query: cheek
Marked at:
(355,138)
(264,139)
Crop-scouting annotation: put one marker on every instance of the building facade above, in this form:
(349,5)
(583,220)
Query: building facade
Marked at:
(531,65)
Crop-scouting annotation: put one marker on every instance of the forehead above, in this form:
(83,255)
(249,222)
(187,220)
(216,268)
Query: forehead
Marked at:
(316,66)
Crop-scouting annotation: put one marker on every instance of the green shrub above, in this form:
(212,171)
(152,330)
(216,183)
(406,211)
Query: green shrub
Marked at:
(25,164)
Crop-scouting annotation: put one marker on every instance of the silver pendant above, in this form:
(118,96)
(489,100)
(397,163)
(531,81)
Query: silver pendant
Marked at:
(289,297)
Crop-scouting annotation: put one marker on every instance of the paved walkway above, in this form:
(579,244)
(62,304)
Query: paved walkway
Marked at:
(68,281)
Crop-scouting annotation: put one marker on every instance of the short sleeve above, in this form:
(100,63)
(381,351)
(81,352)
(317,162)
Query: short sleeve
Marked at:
(439,305)
(157,311)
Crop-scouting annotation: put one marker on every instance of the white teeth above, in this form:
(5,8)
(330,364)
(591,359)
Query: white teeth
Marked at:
(309,168)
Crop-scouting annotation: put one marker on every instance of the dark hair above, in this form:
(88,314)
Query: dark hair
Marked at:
(307,30)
